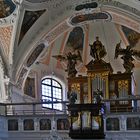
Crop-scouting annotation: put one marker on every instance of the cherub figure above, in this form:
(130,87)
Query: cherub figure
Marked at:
(127,56)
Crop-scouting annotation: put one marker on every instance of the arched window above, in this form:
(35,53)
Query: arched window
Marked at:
(51,92)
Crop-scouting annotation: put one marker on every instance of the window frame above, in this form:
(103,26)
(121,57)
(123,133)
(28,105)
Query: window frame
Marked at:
(52,98)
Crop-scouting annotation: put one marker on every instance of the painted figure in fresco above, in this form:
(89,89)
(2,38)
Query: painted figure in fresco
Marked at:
(97,50)
(29,87)
(45,124)
(127,56)
(6,8)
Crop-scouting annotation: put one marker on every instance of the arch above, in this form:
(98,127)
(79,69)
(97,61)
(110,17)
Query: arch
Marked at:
(53,31)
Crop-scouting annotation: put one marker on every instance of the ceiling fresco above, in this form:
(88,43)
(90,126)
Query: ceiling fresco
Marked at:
(86,6)
(61,30)
(74,44)
(132,36)
(6,8)
(81,18)
(30,17)
(35,54)
(71,46)
(75,40)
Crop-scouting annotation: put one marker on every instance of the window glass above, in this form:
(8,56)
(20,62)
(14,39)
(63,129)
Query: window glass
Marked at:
(51,92)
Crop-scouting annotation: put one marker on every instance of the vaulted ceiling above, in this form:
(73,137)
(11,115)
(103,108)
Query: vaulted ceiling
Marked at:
(32,31)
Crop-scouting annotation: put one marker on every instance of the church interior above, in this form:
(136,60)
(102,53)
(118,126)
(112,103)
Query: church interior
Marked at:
(69,69)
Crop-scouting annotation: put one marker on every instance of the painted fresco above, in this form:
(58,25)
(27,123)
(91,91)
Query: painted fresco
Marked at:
(89,17)
(86,6)
(132,36)
(133,123)
(45,124)
(28,124)
(72,53)
(29,88)
(6,8)
(35,54)
(30,17)
(62,124)
(12,125)
(75,41)
(112,124)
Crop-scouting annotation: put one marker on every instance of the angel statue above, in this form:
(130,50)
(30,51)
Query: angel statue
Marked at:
(72,95)
(72,59)
(97,96)
(127,56)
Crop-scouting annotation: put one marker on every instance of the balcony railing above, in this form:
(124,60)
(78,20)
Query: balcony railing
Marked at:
(36,108)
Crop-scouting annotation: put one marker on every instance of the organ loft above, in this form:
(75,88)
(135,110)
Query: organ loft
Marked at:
(89,95)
